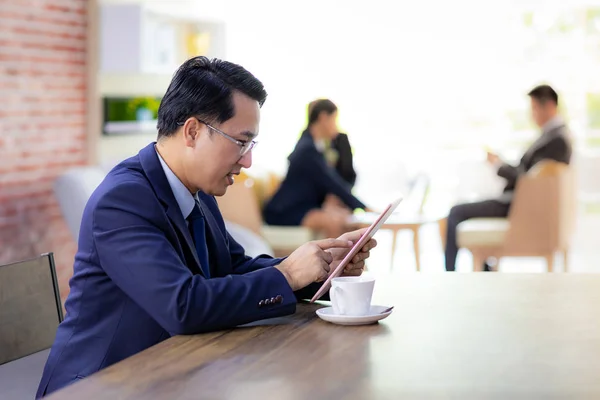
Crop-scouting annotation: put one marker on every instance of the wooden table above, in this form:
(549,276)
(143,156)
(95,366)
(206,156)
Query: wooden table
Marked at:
(451,336)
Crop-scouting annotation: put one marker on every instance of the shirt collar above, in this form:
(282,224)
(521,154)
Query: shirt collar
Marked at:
(184,198)
(320,145)
(553,123)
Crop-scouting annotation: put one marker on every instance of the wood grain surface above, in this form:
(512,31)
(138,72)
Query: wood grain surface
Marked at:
(451,336)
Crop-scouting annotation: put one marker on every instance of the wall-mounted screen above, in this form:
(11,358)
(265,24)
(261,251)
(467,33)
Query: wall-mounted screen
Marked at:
(130,115)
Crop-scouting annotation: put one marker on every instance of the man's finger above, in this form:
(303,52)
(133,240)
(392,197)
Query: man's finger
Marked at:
(324,272)
(326,244)
(372,244)
(357,257)
(325,266)
(355,271)
(354,266)
(360,257)
(360,232)
(369,245)
(326,256)
(354,235)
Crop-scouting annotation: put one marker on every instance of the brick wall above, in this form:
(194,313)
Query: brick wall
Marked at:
(42,124)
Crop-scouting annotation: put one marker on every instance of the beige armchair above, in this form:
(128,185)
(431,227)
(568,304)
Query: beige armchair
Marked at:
(540,222)
(242,205)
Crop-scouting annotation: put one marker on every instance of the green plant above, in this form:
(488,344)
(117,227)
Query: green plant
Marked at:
(520,120)
(149,103)
(592,19)
(593,141)
(528,19)
(593,110)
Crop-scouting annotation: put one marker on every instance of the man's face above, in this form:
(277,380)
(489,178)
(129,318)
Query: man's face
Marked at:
(541,113)
(212,160)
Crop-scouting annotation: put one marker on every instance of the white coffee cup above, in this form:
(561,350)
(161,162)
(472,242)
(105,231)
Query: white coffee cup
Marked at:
(351,295)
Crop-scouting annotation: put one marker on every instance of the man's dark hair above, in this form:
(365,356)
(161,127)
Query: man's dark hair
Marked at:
(544,94)
(203,88)
(316,107)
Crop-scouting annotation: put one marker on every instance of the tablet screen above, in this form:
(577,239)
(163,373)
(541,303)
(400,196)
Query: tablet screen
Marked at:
(373,228)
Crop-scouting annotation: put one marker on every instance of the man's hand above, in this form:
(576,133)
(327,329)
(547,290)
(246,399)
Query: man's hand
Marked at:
(310,262)
(492,158)
(357,265)
(332,201)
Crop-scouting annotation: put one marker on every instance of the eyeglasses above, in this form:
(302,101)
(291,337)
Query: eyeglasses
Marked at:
(245,145)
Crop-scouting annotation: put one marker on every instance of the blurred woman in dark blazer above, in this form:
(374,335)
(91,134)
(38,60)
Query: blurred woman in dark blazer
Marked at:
(313,176)
(338,153)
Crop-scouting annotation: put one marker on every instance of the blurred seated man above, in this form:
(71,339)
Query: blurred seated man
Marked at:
(300,199)
(553,143)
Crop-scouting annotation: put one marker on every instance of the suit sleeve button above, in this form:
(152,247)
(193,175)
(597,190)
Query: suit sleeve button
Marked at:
(267,302)
(279,298)
(261,303)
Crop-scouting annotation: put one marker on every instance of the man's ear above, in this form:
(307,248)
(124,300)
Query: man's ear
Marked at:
(191,131)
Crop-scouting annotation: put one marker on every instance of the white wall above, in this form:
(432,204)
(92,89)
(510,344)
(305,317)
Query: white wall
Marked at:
(410,78)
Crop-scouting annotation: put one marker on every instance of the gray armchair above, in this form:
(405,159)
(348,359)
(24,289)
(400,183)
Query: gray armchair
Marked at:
(72,190)
(30,311)
(75,186)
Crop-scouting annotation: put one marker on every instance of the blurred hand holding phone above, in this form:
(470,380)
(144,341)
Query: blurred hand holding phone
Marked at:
(491,156)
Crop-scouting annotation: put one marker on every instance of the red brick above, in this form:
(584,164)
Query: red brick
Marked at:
(37,59)
(46,33)
(40,45)
(42,124)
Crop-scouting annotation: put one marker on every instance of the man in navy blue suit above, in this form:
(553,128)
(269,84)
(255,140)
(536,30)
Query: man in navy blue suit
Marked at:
(154,257)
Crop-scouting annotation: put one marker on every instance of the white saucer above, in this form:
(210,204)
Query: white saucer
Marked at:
(374,315)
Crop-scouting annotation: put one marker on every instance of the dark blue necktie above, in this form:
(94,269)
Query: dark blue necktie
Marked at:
(197,229)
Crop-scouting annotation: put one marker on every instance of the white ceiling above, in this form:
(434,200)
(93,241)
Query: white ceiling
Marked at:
(185,9)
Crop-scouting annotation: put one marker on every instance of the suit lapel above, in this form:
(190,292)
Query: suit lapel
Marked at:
(539,143)
(156,176)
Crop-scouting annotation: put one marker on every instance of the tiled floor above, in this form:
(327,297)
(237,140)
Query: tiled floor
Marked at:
(584,257)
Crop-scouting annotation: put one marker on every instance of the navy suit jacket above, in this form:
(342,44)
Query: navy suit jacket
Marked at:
(308,181)
(137,280)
